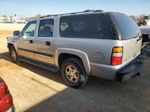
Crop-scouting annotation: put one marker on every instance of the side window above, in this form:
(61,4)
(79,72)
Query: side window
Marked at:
(127,26)
(85,26)
(46,28)
(29,29)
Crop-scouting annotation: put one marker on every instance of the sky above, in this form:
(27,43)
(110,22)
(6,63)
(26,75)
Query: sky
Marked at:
(28,8)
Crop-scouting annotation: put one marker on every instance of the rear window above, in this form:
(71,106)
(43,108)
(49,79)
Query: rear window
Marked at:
(85,26)
(127,26)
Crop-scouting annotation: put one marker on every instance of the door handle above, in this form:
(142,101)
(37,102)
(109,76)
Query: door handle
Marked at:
(31,41)
(48,43)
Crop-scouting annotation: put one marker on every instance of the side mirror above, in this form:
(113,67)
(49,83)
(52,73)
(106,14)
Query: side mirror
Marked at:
(16,33)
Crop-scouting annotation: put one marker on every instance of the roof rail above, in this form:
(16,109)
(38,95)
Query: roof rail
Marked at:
(98,11)
(47,16)
(70,13)
(88,10)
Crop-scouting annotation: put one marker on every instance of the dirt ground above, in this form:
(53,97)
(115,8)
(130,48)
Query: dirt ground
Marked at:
(11,26)
(38,90)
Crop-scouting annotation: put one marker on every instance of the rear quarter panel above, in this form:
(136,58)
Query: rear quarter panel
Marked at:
(97,50)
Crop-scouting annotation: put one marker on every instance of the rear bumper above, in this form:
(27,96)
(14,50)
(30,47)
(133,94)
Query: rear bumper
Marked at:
(130,70)
(118,73)
(104,71)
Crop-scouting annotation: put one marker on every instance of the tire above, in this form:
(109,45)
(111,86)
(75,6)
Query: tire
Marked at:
(73,73)
(13,54)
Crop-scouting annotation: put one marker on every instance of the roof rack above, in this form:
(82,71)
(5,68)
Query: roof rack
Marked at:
(88,10)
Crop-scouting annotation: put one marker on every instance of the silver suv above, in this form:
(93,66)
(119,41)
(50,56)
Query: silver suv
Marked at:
(79,45)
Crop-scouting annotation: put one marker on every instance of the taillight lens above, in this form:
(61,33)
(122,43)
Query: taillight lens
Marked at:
(117,56)
(5,98)
(6,103)
(3,90)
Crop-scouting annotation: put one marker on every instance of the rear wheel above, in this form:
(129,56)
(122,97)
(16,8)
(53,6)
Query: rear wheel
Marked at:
(13,54)
(73,73)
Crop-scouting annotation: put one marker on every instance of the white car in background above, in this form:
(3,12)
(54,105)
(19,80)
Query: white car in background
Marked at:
(145,30)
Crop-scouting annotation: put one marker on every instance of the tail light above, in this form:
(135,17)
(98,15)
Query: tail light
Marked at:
(117,56)
(6,103)
(3,90)
(5,98)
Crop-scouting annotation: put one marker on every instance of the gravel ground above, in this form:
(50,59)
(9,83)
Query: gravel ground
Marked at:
(38,90)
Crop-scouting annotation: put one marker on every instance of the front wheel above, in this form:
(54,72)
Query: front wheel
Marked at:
(73,73)
(13,54)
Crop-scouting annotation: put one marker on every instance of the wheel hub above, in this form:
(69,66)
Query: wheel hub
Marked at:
(72,73)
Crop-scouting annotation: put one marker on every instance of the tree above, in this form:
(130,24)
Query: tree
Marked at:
(5,19)
(37,16)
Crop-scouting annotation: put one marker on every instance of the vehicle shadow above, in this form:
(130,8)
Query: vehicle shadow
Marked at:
(97,96)
(44,72)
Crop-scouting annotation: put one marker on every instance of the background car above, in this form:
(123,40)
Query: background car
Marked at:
(6,101)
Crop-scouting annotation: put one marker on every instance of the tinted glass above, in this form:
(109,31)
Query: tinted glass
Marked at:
(127,26)
(29,29)
(46,28)
(85,26)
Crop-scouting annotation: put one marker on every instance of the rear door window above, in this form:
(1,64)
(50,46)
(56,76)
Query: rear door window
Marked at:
(127,26)
(85,26)
(46,28)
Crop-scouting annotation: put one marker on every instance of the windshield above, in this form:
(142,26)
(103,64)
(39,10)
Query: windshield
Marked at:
(127,26)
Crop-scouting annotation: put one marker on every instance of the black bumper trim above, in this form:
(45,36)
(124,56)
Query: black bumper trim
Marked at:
(131,70)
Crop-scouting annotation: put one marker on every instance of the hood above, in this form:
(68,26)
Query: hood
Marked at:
(13,38)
